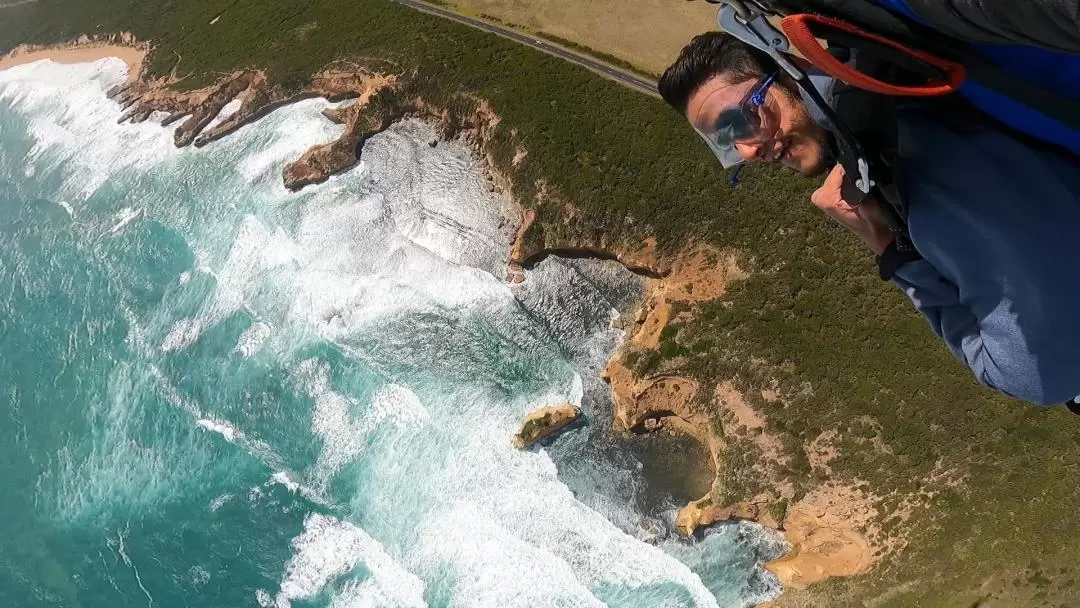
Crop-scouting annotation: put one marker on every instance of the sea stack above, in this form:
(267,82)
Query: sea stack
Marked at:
(545,422)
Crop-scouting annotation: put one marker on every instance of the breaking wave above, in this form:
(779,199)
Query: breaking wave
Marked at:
(225,393)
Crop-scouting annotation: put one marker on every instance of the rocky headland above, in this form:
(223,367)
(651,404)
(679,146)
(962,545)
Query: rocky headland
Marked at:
(832,529)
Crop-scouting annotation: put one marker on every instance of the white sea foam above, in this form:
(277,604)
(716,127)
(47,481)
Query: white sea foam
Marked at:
(328,549)
(226,111)
(510,508)
(344,426)
(226,430)
(495,567)
(252,339)
(183,334)
(199,575)
(279,141)
(66,107)
(124,217)
(410,234)
(220,501)
(285,479)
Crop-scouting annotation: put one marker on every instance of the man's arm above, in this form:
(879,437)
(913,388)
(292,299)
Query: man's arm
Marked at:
(989,347)
(993,347)
(1050,24)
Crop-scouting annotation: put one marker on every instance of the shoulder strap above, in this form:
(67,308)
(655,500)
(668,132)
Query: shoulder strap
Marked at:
(872,119)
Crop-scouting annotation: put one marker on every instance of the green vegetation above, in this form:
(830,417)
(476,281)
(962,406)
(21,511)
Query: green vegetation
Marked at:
(999,479)
(533,427)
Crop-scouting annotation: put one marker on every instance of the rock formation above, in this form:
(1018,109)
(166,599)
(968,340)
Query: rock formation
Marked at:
(380,101)
(362,121)
(545,422)
(703,512)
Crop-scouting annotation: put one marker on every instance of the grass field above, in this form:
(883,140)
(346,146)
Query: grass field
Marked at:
(811,317)
(646,33)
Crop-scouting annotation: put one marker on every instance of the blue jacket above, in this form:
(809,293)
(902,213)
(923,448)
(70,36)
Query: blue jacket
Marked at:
(992,216)
(996,221)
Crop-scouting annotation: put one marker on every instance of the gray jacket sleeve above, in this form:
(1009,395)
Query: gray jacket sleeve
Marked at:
(989,347)
(1050,24)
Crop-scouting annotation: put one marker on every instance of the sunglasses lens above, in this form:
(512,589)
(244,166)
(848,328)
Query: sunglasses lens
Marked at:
(734,125)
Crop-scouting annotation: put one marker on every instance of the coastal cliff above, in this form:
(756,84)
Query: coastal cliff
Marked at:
(809,375)
(677,284)
(826,527)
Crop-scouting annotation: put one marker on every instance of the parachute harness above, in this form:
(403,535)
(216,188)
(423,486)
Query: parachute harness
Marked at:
(748,21)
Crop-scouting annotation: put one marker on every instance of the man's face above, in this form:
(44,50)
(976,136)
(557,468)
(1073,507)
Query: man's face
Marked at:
(789,136)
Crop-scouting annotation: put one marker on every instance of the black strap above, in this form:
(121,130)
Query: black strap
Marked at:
(872,119)
(894,210)
(893,258)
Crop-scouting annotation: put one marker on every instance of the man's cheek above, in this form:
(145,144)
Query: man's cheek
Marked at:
(814,159)
(801,157)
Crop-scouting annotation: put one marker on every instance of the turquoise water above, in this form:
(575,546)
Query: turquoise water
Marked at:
(219,393)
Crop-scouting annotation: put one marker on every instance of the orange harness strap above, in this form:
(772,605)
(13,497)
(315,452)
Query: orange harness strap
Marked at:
(798,30)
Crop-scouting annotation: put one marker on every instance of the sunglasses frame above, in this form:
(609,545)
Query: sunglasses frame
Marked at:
(747,109)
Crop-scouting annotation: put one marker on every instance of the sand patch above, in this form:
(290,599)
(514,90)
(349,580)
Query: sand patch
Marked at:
(744,420)
(637,401)
(703,512)
(700,274)
(825,530)
(83,50)
(653,317)
(659,403)
(822,450)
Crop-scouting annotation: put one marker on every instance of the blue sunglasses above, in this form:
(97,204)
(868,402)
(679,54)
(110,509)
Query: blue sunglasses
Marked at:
(740,123)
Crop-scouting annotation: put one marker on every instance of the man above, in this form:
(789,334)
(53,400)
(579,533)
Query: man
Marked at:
(993,216)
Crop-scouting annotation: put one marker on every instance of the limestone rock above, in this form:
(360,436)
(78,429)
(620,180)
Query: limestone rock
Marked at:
(827,537)
(515,274)
(545,422)
(704,513)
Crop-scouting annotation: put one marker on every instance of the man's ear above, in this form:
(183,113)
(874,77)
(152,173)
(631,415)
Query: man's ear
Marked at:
(788,86)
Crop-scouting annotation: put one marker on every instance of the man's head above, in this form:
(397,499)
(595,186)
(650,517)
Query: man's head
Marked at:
(715,72)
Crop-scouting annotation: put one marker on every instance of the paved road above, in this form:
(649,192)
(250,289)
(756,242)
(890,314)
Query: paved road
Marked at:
(626,79)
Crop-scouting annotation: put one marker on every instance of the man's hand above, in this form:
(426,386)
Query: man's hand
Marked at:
(865,220)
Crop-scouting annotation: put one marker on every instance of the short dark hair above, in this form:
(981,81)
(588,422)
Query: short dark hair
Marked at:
(708,55)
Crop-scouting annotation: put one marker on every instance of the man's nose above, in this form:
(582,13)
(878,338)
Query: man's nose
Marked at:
(750,150)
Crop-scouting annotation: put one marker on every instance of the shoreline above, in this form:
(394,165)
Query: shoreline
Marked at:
(473,136)
(670,280)
(83,51)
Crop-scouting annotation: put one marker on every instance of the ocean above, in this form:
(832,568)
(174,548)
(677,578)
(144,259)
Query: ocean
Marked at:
(216,392)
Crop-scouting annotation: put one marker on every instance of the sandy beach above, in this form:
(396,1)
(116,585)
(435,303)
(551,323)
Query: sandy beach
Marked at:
(78,53)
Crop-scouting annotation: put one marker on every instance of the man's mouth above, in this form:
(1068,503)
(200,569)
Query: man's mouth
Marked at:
(780,153)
